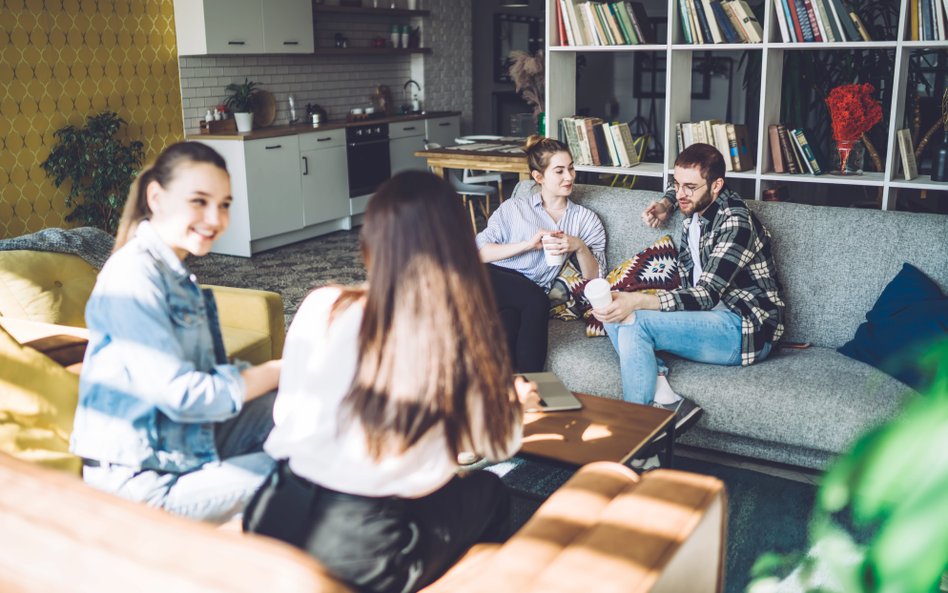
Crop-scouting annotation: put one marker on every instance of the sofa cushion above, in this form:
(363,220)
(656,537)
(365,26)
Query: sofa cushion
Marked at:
(43,286)
(909,315)
(814,398)
(249,345)
(38,399)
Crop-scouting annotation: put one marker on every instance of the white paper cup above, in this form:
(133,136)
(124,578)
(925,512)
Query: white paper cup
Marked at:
(552,260)
(598,293)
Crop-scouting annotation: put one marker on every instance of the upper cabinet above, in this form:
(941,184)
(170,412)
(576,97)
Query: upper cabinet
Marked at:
(243,26)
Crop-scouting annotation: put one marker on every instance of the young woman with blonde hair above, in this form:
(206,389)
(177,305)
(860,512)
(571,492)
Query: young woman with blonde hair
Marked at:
(163,417)
(382,386)
(512,245)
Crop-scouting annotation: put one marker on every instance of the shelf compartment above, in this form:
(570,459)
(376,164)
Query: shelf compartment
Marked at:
(608,48)
(834,45)
(920,182)
(716,46)
(643,169)
(871,178)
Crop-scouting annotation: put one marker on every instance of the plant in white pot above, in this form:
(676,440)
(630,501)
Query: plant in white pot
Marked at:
(241,101)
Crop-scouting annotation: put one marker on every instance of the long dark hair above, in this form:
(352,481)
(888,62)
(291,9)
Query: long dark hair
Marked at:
(431,347)
(163,171)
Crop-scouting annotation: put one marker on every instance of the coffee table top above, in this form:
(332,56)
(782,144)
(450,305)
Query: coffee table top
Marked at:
(603,430)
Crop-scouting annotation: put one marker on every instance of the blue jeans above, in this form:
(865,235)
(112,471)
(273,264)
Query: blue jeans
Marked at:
(219,490)
(703,336)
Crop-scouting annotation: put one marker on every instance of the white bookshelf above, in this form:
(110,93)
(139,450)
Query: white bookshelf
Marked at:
(561,96)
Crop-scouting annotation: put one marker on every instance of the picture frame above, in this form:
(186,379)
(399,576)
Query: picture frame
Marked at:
(513,32)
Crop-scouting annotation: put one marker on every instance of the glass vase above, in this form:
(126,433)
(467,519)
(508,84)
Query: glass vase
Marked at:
(844,151)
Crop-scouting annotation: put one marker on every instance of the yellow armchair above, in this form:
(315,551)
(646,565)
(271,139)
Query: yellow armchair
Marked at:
(54,287)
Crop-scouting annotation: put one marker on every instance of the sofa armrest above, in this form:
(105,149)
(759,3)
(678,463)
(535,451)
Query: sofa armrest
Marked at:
(607,530)
(253,310)
(62,535)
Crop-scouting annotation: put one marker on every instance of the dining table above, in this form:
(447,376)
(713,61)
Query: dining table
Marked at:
(482,156)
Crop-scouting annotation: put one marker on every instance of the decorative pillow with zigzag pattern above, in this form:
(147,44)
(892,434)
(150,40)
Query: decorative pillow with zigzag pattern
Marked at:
(650,270)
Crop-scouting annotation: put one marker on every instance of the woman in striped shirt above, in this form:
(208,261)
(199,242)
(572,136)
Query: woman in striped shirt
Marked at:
(512,246)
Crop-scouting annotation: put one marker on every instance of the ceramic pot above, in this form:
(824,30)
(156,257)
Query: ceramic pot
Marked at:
(244,121)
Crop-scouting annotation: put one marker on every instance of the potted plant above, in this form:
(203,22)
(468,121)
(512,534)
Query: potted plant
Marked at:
(241,101)
(100,167)
(526,71)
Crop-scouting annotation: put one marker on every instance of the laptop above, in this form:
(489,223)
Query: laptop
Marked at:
(554,396)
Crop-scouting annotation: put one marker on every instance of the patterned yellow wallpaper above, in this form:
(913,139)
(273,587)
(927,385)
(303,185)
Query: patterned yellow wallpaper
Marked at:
(63,60)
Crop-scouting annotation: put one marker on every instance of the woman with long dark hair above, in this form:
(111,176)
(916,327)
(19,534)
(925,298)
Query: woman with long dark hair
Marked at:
(163,416)
(383,385)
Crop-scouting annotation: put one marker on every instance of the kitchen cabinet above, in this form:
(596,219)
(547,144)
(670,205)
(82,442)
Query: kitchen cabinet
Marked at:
(405,139)
(273,186)
(443,130)
(243,26)
(325,186)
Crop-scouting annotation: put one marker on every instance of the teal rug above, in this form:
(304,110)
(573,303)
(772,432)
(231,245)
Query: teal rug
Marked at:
(765,513)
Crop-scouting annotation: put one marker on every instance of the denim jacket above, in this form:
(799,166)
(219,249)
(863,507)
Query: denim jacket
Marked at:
(155,377)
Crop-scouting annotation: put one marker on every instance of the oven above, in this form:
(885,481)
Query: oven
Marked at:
(369,163)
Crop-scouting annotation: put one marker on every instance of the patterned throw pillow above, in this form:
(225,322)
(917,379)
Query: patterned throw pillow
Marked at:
(650,270)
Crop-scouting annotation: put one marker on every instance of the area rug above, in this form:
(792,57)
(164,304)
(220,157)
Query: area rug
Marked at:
(765,513)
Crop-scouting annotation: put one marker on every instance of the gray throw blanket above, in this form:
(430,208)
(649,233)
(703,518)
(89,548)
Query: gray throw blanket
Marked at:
(89,243)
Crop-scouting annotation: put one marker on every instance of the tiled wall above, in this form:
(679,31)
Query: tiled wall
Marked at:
(63,60)
(338,83)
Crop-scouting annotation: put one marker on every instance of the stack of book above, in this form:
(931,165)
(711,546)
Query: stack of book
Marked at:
(818,20)
(729,139)
(603,23)
(927,20)
(793,153)
(595,142)
(719,21)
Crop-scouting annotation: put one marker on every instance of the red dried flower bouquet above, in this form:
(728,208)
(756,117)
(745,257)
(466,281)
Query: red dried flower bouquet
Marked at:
(853,111)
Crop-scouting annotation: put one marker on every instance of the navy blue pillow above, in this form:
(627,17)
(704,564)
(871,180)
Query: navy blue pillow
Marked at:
(909,316)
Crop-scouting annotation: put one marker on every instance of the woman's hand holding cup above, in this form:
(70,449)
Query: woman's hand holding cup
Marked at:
(598,293)
(555,247)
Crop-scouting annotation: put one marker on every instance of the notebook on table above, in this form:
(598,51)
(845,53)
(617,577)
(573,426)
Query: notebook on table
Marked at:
(554,396)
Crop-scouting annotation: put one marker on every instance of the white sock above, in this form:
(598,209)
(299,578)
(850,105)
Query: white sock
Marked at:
(663,391)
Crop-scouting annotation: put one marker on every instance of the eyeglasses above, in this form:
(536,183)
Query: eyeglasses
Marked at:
(687,190)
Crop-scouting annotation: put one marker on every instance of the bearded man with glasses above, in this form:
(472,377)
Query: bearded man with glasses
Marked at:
(728,310)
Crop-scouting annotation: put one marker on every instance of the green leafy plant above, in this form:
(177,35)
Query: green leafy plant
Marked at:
(99,166)
(243,96)
(880,516)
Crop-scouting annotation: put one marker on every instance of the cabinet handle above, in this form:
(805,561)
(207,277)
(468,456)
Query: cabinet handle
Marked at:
(444,123)
(305,166)
(408,128)
(274,146)
(236,43)
(327,138)
(291,43)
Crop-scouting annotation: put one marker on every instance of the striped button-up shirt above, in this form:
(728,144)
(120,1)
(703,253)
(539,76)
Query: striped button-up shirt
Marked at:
(518,219)
(738,270)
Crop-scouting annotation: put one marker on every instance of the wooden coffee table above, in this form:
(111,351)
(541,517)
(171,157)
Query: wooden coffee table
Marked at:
(603,430)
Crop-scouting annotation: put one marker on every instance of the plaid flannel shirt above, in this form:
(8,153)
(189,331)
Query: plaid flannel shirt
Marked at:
(737,269)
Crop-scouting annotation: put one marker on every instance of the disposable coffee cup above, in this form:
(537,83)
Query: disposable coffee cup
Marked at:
(552,260)
(598,293)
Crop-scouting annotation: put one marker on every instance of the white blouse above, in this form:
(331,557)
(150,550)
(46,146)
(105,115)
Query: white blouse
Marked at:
(319,365)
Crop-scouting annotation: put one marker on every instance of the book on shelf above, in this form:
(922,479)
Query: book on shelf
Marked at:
(594,142)
(804,162)
(564,39)
(641,21)
(776,155)
(735,20)
(628,143)
(907,150)
(812,164)
(913,19)
(738,133)
(755,33)
(814,24)
(610,25)
(788,151)
(721,143)
(820,21)
(685,19)
(863,32)
(926,30)
(841,13)
(830,23)
(713,27)
(724,23)
(782,15)
(704,31)
(625,25)
(801,21)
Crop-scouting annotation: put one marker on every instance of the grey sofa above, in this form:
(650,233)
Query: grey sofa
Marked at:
(800,407)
